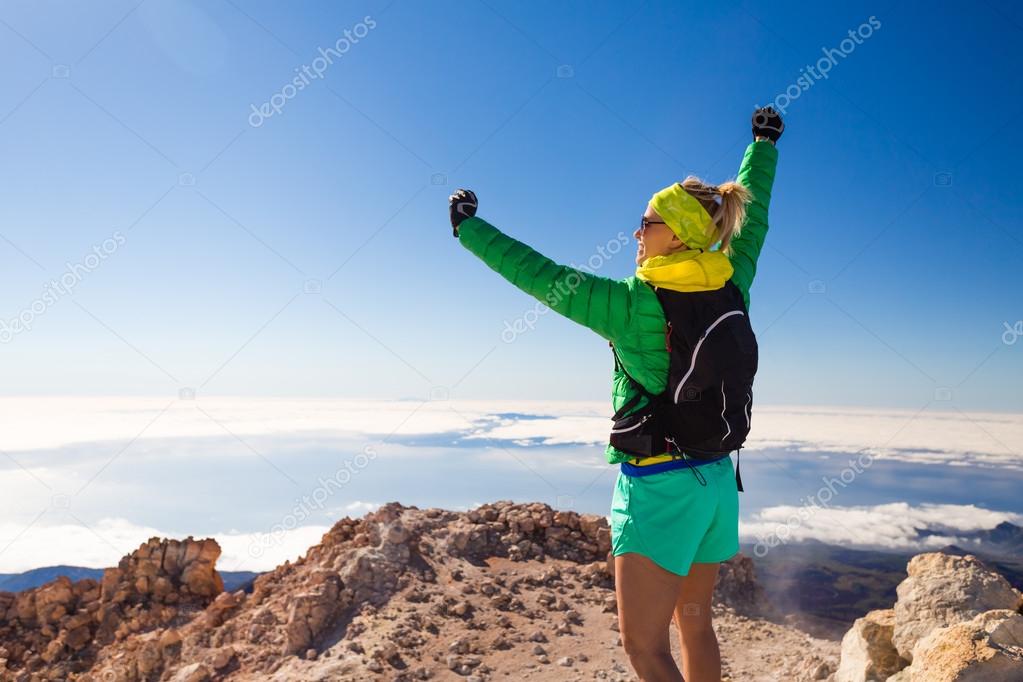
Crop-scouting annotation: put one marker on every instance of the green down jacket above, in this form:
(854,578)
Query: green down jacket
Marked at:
(625,312)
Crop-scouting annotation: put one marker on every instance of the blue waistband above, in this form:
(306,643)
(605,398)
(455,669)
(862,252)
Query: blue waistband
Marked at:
(633,470)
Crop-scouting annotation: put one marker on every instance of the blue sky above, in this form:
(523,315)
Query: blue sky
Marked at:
(311,256)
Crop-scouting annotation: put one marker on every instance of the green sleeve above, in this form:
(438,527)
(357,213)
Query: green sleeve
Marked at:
(757,174)
(598,303)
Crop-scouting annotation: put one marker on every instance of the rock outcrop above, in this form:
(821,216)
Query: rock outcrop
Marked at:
(528,532)
(954,620)
(988,648)
(59,627)
(867,649)
(942,589)
(737,587)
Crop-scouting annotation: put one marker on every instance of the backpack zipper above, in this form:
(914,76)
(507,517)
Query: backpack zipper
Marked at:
(634,426)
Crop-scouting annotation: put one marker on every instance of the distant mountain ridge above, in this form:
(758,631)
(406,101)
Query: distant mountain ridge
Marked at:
(1005,539)
(825,587)
(26,580)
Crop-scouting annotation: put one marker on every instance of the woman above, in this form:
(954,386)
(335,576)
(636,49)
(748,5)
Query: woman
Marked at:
(678,328)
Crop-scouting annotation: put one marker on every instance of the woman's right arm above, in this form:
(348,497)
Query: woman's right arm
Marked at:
(601,304)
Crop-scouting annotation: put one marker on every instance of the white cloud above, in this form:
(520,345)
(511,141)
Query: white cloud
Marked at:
(360,506)
(253,551)
(100,545)
(584,429)
(923,436)
(896,525)
(39,423)
(104,543)
(929,436)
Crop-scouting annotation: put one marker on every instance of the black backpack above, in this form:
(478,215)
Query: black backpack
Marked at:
(704,413)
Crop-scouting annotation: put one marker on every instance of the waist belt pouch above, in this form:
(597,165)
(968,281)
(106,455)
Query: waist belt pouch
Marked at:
(632,435)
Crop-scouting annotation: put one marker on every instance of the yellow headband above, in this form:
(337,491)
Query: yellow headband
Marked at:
(686,217)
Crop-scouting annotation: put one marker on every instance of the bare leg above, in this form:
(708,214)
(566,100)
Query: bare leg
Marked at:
(701,658)
(647,596)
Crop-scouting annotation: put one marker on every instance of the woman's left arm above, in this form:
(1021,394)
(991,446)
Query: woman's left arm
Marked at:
(598,303)
(757,175)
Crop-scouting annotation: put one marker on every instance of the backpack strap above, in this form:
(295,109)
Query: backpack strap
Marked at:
(738,478)
(641,392)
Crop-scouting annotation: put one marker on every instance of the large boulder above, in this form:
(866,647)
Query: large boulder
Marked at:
(987,648)
(868,654)
(312,613)
(162,567)
(53,600)
(942,590)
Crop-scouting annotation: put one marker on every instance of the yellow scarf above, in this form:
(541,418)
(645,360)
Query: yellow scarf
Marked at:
(689,270)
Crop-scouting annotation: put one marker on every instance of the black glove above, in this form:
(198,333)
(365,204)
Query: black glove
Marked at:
(767,123)
(463,204)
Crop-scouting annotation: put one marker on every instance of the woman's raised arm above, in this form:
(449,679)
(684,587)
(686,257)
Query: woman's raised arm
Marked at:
(757,174)
(599,303)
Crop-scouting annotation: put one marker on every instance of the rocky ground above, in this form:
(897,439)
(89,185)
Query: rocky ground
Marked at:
(505,591)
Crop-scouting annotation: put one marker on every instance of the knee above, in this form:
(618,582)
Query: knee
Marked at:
(637,645)
(694,623)
(696,632)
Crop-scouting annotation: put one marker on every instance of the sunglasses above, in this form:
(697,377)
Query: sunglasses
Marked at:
(644,223)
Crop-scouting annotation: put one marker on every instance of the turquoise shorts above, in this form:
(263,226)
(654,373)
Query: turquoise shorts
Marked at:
(675,520)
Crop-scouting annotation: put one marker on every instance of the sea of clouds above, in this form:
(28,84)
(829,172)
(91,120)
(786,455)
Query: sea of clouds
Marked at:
(85,480)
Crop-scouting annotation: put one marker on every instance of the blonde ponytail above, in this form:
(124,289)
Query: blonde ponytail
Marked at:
(726,204)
